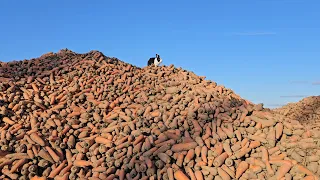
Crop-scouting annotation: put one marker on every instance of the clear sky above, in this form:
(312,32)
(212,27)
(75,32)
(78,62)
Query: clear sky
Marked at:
(265,50)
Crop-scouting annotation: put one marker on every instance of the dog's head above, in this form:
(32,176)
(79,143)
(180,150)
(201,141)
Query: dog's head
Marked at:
(158,59)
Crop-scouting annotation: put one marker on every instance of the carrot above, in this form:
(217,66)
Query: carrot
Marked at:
(56,171)
(309,178)
(242,152)
(183,146)
(226,147)
(170,174)
(104,141)
(257,138)
(218,149)
(180,158)
(196,126)
(242,167)
(279,130)
(35,88)
(164,157)
(220,159)
(189,156)
(19,163)
(238,135)
(254,144)
(8,121)
(38,178)
(285,167)
(222,135)
(273,150)
(269,168)
(278,157)
(223,174)
(302,169)
(66,169)
(190,173)
(45,155)
(54,156)
(179,175)
(264,123)
(199,175)
(204,153)
(82,163)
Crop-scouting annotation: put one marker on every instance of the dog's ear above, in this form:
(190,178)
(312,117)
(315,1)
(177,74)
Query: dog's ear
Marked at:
(157,55)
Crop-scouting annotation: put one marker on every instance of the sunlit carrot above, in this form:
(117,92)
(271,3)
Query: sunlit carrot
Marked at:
(199,175)
(218,161)
(204,153)
(183,146)
(56,171)
(242,167)
(54,156)
(190,173)
(179,175)
(82,163)
(284,168)
(8,121)
(223,174)
(18,164)
(227,148)
(170,173)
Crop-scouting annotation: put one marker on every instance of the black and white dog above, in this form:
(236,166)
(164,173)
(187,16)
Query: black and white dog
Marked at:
(155,60)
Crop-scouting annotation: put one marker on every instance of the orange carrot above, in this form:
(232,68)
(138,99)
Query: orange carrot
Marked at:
(242,167)
(224,175)
(38,178)
(189,156)
(170,173)
(183,146)
(220,159)
(304,170)
(54,156)
(82,163)
(285,167)
(279,130)
(199,175)
(19,163)
(179,175)
(8,121)
(204,153)
(104,141)
(56,171)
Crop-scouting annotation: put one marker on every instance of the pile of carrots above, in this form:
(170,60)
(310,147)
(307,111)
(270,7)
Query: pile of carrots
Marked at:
(88,116)
(306,111)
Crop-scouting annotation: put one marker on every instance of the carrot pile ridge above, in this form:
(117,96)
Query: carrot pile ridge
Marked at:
(88,116)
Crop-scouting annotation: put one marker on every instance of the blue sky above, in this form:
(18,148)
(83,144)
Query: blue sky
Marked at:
(265,50)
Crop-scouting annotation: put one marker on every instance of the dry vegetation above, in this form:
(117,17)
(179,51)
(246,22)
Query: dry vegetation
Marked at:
(87,116)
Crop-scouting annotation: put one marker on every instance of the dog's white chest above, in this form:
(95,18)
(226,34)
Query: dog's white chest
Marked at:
(156,62)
